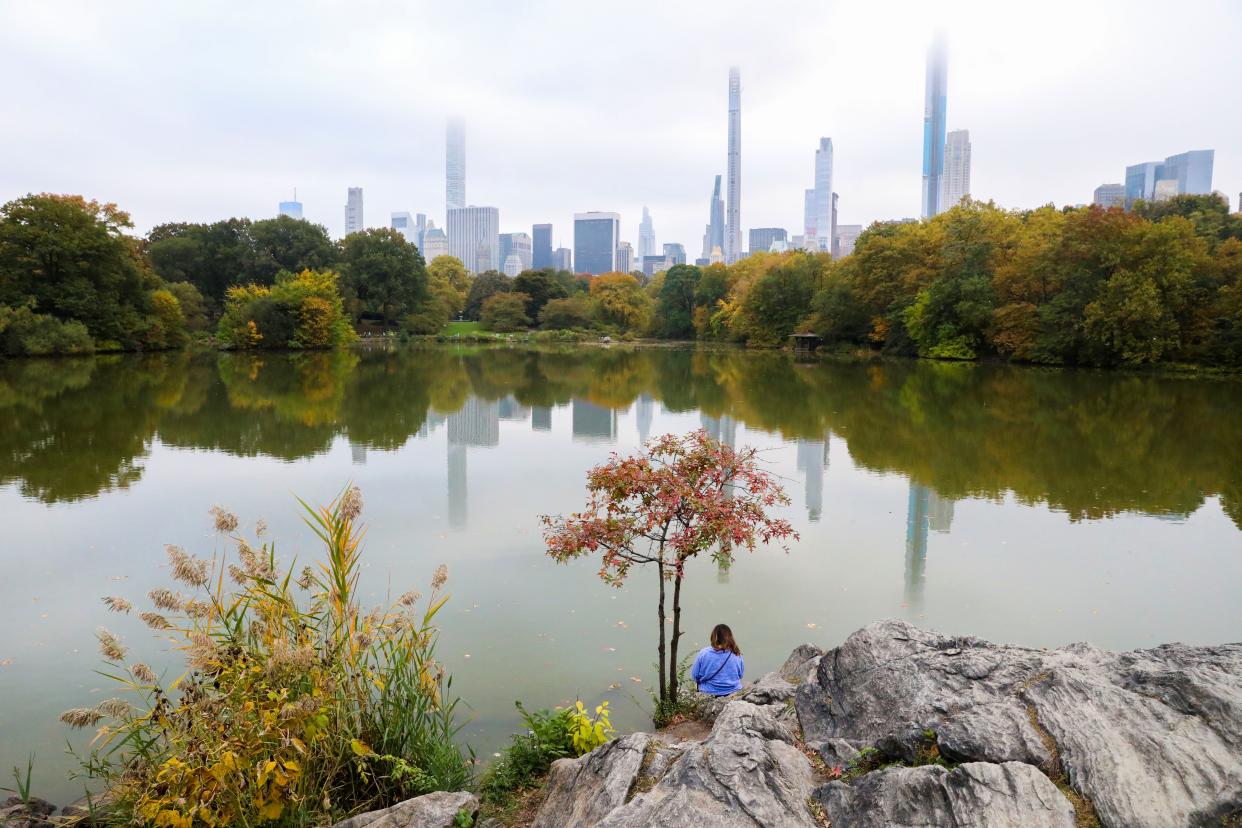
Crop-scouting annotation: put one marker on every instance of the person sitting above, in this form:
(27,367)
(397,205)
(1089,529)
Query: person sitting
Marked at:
(718,669)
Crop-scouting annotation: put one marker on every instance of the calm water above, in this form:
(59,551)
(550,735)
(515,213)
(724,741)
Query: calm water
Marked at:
(1037,507)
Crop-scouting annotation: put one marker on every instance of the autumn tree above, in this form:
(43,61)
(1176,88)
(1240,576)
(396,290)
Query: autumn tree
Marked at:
(680,496)
(620,301)
(486,285)
(505,312)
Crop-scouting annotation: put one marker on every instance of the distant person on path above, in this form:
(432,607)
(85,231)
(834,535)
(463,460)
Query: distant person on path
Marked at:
(718,669)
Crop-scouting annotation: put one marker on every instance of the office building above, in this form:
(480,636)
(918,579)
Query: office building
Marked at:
(1190,173)
(520,244)
(733,204)
(761,238)
(819,225)
(1110,195)
(403,223)
(455,165)
(675,253)
(655,264)
(646,236)
(435,242)
(541,252)
(955,185)
(625,257)
(843,241)
(714,234)
(596,238)
(474,237)
(935,106)
(563,259)
(292,209)
(833,223)
(353,211)
(512,265)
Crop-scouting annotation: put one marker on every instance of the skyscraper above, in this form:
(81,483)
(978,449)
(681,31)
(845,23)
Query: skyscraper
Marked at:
(455,165)
(808,214)
(733,221)
(625,257)
(292,209)
(420,227)
(474,237)
(435,242)
(646,236)
(823,194)
(512,265)
(403,223)
(675,253)
(955,185)
(353,211)
(518,243)
(714,237)
(541,252)
(1189,173)
(761,238)
(596,237)
(935,104)
(563,258)
(1110,195)
(843,241)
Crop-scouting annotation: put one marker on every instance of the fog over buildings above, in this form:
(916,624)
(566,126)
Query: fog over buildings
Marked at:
(326,97)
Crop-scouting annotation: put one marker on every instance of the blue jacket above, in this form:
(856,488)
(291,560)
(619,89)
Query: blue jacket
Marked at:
(717,672)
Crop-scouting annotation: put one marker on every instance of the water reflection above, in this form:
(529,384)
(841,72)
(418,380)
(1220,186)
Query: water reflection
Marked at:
(926,510)
(1089,444)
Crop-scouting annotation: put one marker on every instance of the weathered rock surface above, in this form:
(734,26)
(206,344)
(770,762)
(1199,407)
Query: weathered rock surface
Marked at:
(433,810)
(974,795)
(583,791)
(1150,737)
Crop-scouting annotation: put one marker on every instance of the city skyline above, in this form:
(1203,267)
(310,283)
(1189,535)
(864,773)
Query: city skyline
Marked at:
(222,147)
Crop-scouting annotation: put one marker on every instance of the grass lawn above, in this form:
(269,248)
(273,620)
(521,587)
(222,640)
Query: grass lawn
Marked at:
(454,328)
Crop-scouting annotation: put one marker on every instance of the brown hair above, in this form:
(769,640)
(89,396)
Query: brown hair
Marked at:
(722,639)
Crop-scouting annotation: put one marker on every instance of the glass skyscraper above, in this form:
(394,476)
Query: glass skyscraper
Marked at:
(733,202)
(955,183)
(541,250)
(1189,173)
(935,106)
(353,211)
(455,165)
(596,237)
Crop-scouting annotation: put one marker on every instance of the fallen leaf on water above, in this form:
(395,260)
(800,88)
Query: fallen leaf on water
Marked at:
(611,649)
(467,655)
(636,679)
(810,625)
(613,686)
(5,662)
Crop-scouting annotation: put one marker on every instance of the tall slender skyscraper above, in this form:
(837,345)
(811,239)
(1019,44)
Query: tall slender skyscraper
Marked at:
(733,207)
(646,236)
(353,211)
(455,165)
(541,253)
(715,223)
(823,195)
(955,185)
(935,104)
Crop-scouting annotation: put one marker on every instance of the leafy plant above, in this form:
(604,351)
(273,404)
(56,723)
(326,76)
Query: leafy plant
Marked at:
(298,706)
(22,780)
(589,732)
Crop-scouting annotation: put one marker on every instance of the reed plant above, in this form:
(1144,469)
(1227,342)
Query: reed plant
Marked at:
(296,707)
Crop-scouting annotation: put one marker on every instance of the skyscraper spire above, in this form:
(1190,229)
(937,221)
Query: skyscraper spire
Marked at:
(935,103)
(455,164)
(733,209)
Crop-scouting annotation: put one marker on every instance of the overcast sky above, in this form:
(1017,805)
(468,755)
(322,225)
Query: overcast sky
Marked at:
(205,110)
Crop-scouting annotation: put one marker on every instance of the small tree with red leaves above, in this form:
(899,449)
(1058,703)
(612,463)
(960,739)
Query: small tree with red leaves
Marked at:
(679,496)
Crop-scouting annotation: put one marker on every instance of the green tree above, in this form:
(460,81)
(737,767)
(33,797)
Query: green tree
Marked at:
(540,286)
(484,286)
(573,312)
(620,302)
(382,273)
(212,257)
(303,310)
(777,300)
(293,245)
(70,258)
(504,312)
(677,300)
(192,306)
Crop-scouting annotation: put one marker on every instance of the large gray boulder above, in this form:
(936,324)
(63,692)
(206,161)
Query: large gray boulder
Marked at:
(433,810)
(583,791)
(35,813)
(974,795)
(1149,737)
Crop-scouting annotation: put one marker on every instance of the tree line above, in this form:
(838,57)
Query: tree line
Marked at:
(1161,282)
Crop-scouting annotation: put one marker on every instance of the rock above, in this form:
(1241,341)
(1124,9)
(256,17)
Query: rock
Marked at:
(14,813)
(974,795)
(1150,737)
(836,753)
(769,689)
(582,791)
(433,810)
(801,663)
(745,774)
(88,811)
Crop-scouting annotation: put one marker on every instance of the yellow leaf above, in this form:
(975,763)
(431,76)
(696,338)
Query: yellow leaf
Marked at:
(272,810)
(360,748)
(298,744)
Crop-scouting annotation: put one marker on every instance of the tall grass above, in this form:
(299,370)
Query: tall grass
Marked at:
(297,706)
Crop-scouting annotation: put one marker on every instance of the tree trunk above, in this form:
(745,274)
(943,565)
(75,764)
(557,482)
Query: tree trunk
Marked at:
(660,614)
(672,667)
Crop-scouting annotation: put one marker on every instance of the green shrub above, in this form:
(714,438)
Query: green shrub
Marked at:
(299,311)
(298,706)
(26,333)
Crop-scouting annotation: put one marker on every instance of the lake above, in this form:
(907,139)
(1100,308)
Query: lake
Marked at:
(1023,505)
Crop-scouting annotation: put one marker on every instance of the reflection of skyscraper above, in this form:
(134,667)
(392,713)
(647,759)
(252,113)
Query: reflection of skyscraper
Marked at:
(510,409)
(457,486)
(476,424)
(644,412)
(541,418)
(359,453)
(430,424)
(812,461)
(926,510)
(593,423)
(722,429)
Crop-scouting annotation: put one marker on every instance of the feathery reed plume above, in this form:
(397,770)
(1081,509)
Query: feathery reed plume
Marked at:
(351,503)
(226,521)
(186,568)
(307,578)
(155,621)
(410,598)
(114,708)
(260,527)
(254,565)
(80,717)
(197,609)
(166,599)
(202,650)
(118,604)
(109,645)
(143,673)
(440,577)
(238,574)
